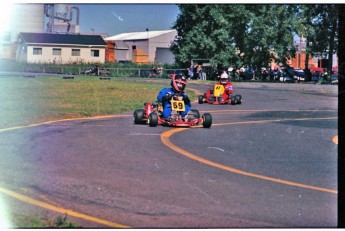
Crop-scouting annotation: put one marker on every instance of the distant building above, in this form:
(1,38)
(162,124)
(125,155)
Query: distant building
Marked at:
(60,48)
(144,47)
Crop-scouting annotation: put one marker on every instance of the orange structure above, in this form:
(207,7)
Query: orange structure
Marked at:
(110,51)
(299,62)
(140,57)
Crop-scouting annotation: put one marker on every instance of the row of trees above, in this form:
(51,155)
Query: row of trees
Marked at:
(253,34)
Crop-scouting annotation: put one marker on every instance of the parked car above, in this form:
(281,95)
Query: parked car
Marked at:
(296,74)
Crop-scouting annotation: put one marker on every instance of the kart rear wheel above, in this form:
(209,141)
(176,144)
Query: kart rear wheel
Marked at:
(201,99)
(138,116)
(239,99)
(153,119)
(206,120)
(196,113)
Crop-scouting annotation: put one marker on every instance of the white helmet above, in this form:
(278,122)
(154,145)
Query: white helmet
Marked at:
(224,77)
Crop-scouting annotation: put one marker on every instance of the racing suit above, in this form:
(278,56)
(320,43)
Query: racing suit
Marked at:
(164,97)
(228,89)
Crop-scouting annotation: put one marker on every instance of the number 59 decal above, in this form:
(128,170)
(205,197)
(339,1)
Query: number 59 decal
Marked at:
(178,105)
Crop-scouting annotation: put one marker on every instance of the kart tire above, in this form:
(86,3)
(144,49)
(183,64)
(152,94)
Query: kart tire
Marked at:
(138,116)
(153,119)
(201,99)
(196,113)
(233,100)
(206,120)
(239,99)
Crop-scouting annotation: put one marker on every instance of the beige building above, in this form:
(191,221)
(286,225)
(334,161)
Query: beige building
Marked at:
(60,48)
(144,47)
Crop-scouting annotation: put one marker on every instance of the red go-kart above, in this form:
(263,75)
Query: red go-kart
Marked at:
(217,95)
(152,115)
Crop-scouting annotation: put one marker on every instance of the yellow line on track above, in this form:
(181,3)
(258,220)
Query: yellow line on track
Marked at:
(62,120)
(250,110)
(61,210)
(165,137)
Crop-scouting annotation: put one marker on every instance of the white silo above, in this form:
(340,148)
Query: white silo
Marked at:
(26,17)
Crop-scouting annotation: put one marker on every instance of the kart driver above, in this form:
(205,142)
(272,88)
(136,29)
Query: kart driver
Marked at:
(178,84)
(224,81)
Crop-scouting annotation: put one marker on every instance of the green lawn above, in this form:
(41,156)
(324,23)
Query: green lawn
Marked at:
(25,101)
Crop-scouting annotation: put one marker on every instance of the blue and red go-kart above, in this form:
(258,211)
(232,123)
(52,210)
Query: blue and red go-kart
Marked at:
(152,115)
(217,95)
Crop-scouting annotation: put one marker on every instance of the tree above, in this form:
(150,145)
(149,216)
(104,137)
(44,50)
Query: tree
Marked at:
(319,24)
(210,31)
(270,34)
(244,34)
(233,34)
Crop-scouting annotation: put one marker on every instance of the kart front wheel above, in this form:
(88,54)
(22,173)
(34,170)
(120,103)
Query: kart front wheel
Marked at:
(138,116)
(153,119)
(206,120)
(201,99)
(233,100)
(238,99)
(196,113)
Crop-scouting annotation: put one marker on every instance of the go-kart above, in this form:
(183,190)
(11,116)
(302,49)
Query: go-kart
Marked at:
(152,115)
(217,95)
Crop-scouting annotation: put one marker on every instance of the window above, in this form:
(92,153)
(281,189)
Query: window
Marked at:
(95,53)
(56,51)
(75,52)
(37,51)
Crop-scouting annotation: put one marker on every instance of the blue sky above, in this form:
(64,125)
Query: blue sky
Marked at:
(122,18)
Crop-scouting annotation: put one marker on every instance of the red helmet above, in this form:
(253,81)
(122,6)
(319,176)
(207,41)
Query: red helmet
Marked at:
(178,82)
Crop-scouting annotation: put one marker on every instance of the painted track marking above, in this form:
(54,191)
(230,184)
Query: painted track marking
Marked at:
(165,137)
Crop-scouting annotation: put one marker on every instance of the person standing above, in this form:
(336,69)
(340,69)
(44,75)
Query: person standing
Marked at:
(199,72)
(191,72)
(230,72)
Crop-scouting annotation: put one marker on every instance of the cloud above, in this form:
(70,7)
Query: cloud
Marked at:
(117,16)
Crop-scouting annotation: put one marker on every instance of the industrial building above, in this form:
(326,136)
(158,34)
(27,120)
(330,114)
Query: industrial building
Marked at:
(144,47)
(42,33)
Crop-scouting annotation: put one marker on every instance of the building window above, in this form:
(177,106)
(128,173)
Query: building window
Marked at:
(37,51)
(56,51)
(95,53)
(75,52)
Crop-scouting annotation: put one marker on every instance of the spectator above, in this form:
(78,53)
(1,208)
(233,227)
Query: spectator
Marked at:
(199,72)
(191,72)
(230,72)
(264,74)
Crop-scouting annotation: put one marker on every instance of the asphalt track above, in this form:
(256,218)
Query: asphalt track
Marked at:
(269,162)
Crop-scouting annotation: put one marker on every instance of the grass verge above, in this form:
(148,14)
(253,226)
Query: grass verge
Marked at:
(32,100)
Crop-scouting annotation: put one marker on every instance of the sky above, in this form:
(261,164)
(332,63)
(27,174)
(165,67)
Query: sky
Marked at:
(115,19)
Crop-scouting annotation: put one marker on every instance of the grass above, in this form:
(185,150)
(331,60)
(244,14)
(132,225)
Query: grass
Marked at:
(25,101)
(41,221)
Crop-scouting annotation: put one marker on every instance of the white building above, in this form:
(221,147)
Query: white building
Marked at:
(144,47)
(60,48)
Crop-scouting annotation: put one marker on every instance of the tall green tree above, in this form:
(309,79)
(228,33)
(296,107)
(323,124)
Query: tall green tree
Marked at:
(214,31)
(270,34)
(233,34)
(319,24)
(244,34)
